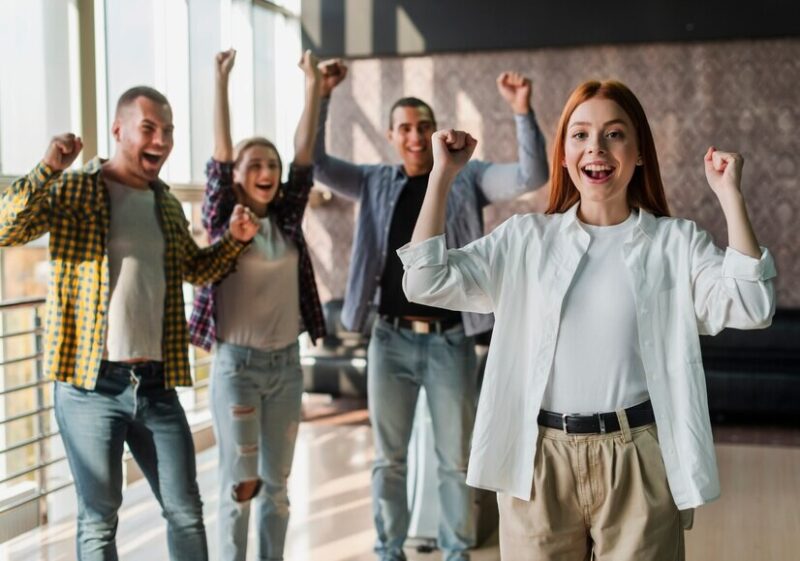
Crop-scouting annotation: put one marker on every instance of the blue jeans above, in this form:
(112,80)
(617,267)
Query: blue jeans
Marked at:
(255,400)
(400,362)
(130,405)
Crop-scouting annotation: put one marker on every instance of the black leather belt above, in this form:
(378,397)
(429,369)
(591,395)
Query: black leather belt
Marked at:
(421,326)
(599,423)
(150,368)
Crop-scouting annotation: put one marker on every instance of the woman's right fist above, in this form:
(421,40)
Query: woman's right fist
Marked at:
(62,151)
(310,66)
(333,72)
(224,61)
(452,149)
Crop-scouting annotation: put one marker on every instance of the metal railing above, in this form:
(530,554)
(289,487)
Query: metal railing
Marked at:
(43,427)
(40,409)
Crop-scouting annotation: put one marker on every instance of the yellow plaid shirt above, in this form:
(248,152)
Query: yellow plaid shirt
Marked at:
(74,207)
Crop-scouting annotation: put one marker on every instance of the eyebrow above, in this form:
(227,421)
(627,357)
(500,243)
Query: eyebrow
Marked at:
(611,122)
(420,122)
(153,123)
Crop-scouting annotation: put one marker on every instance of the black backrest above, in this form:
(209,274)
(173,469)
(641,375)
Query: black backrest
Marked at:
(332,310)
(783,335)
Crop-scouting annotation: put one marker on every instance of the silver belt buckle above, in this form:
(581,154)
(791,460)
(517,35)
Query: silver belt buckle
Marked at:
(564,422)
(420,326)
(602,423)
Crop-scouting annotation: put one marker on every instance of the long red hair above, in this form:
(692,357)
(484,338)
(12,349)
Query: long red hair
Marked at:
(645,190)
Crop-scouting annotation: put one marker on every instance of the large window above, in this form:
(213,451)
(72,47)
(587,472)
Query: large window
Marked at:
(170,44)
(54,78)
(39,89)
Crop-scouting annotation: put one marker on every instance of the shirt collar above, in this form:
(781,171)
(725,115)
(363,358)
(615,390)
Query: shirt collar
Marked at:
(94,166)
(646,222)
(400,173)
(569,218)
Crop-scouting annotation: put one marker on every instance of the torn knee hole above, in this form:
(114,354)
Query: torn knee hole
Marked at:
(242,411)
(246,490)
(247,449)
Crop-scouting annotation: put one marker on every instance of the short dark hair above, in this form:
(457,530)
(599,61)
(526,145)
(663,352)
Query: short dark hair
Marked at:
(132,94)
(409,102)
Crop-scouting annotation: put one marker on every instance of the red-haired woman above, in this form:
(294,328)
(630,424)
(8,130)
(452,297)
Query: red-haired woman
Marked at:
(593,422)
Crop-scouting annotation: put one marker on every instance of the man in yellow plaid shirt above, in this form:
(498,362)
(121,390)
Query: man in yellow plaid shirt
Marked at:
(116,340)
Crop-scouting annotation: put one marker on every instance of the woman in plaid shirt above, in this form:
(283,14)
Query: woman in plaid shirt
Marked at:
(255,316)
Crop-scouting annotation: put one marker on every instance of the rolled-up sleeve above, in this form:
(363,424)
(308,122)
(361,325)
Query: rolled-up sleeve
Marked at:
(455,279)
(731,289)
(737,265)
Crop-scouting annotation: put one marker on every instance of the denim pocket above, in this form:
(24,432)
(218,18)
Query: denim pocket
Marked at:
(455,337)
(226,365)
(112,382)
(381,333)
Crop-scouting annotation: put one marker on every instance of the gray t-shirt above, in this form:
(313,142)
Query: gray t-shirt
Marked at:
(258,305)
(136,266)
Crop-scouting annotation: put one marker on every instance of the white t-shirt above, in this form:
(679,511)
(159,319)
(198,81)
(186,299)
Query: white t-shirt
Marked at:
(258,305)
(598,364)
(136,267)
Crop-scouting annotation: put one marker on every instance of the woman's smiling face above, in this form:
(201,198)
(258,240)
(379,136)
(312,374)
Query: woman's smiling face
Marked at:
(601,151)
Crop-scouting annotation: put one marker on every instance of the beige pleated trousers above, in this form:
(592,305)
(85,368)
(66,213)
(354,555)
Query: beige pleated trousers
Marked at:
(600,497)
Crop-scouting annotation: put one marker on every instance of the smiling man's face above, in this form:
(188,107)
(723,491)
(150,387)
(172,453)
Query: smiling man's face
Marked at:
(412,128)
(143,130)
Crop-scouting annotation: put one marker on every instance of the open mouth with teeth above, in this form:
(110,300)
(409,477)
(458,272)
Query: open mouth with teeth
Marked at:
(416,149)
(264,186)
(597,172)
(152,158)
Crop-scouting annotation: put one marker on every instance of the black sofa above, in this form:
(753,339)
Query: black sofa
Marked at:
(337,365)
(755,373)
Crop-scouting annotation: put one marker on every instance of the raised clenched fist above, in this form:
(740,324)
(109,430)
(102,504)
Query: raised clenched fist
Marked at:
(516,90)
(62,151)
(333,72)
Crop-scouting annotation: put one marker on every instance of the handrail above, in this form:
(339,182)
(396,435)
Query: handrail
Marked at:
(27,414)
(25,386)
(32,469)
(21,303)
(28,442)
(20,333)
(38,412)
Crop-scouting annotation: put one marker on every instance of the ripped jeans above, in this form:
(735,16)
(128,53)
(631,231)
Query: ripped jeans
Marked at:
(255,402)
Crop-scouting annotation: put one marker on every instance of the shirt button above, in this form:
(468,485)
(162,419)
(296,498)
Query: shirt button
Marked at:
(644,311)
(647,343)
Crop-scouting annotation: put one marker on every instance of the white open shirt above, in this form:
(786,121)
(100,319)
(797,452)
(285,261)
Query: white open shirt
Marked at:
(683,286)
